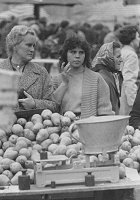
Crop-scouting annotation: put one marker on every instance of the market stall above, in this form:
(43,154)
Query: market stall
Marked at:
(63,176)
(46,155)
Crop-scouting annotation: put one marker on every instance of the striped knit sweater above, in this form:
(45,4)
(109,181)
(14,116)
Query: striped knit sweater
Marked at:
(95,95)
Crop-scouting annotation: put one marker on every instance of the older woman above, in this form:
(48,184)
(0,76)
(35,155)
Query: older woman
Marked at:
(35,88)
(79,89)
(108,62)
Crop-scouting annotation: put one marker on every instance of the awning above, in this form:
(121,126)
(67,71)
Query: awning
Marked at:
(39,3)
(43,2)
(22,11)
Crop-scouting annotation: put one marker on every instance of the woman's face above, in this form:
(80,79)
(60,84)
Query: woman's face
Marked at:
(25,50)
(117,58)
(76,57)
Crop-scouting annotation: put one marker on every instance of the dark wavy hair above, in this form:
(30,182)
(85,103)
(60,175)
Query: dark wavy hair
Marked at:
(127,34)
(116,45)
(73,42)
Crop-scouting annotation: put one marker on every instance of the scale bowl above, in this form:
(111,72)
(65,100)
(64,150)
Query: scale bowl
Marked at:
(101,134)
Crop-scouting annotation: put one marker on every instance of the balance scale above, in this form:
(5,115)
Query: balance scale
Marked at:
(59,169)
(99,135)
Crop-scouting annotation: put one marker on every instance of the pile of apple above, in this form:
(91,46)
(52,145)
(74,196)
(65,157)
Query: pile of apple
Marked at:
(129,150)
(21,146)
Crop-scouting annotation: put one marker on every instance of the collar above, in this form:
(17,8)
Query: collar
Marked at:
(30,66)
(17,67)
(128,47)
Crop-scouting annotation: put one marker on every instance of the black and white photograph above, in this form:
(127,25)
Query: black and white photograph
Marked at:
(70,99)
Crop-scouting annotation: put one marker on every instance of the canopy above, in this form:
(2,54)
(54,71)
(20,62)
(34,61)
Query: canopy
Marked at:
(38,3)
(21,11)
(43,2)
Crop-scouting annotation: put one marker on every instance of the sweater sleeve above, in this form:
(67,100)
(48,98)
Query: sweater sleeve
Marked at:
(104,106)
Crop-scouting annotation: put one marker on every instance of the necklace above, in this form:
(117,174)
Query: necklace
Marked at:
(17,67)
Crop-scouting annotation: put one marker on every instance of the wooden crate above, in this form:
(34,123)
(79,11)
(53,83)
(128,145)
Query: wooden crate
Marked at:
(8,98)
(9,80)
(8,87)
(7,118)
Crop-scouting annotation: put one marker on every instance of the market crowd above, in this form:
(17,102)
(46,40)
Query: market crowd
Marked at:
(98,68)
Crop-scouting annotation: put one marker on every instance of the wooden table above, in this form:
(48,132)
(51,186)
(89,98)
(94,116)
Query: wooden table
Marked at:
(64,192)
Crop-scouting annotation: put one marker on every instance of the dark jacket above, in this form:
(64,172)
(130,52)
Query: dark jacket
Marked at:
(110,80)
(135,113)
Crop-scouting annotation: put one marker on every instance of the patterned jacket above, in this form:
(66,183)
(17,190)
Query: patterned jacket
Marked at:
(36,81)
(95,96)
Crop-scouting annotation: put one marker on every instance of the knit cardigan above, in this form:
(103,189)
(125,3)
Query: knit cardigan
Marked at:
(95,94)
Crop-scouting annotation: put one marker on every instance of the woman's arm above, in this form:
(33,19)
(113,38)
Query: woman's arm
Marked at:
(59,93)
(61,83)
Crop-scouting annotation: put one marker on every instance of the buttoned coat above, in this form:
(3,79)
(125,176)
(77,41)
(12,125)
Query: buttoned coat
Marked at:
(36,81)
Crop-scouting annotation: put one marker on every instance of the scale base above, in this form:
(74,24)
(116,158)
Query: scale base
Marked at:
(70,176)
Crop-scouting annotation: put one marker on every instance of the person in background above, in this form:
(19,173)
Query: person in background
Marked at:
(35,88)
(107,62)
(26,20)
(78,88)
(61,34)
(5,27)
(112,36)
(129,37)
(100,31)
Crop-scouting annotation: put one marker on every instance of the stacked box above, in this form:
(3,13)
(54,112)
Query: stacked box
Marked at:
(8,87)
(8,97)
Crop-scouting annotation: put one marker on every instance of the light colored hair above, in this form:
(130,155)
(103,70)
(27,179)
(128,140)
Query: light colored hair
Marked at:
(16,36)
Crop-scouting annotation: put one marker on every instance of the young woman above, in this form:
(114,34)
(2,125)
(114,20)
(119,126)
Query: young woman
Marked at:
(35,81)
(108,62)
(79,89)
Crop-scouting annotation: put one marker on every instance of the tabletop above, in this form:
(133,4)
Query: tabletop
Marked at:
(65,189)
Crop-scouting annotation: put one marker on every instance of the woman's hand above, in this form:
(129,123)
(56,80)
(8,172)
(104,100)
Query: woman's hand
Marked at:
(65,73)
(60,91)
(28,102)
